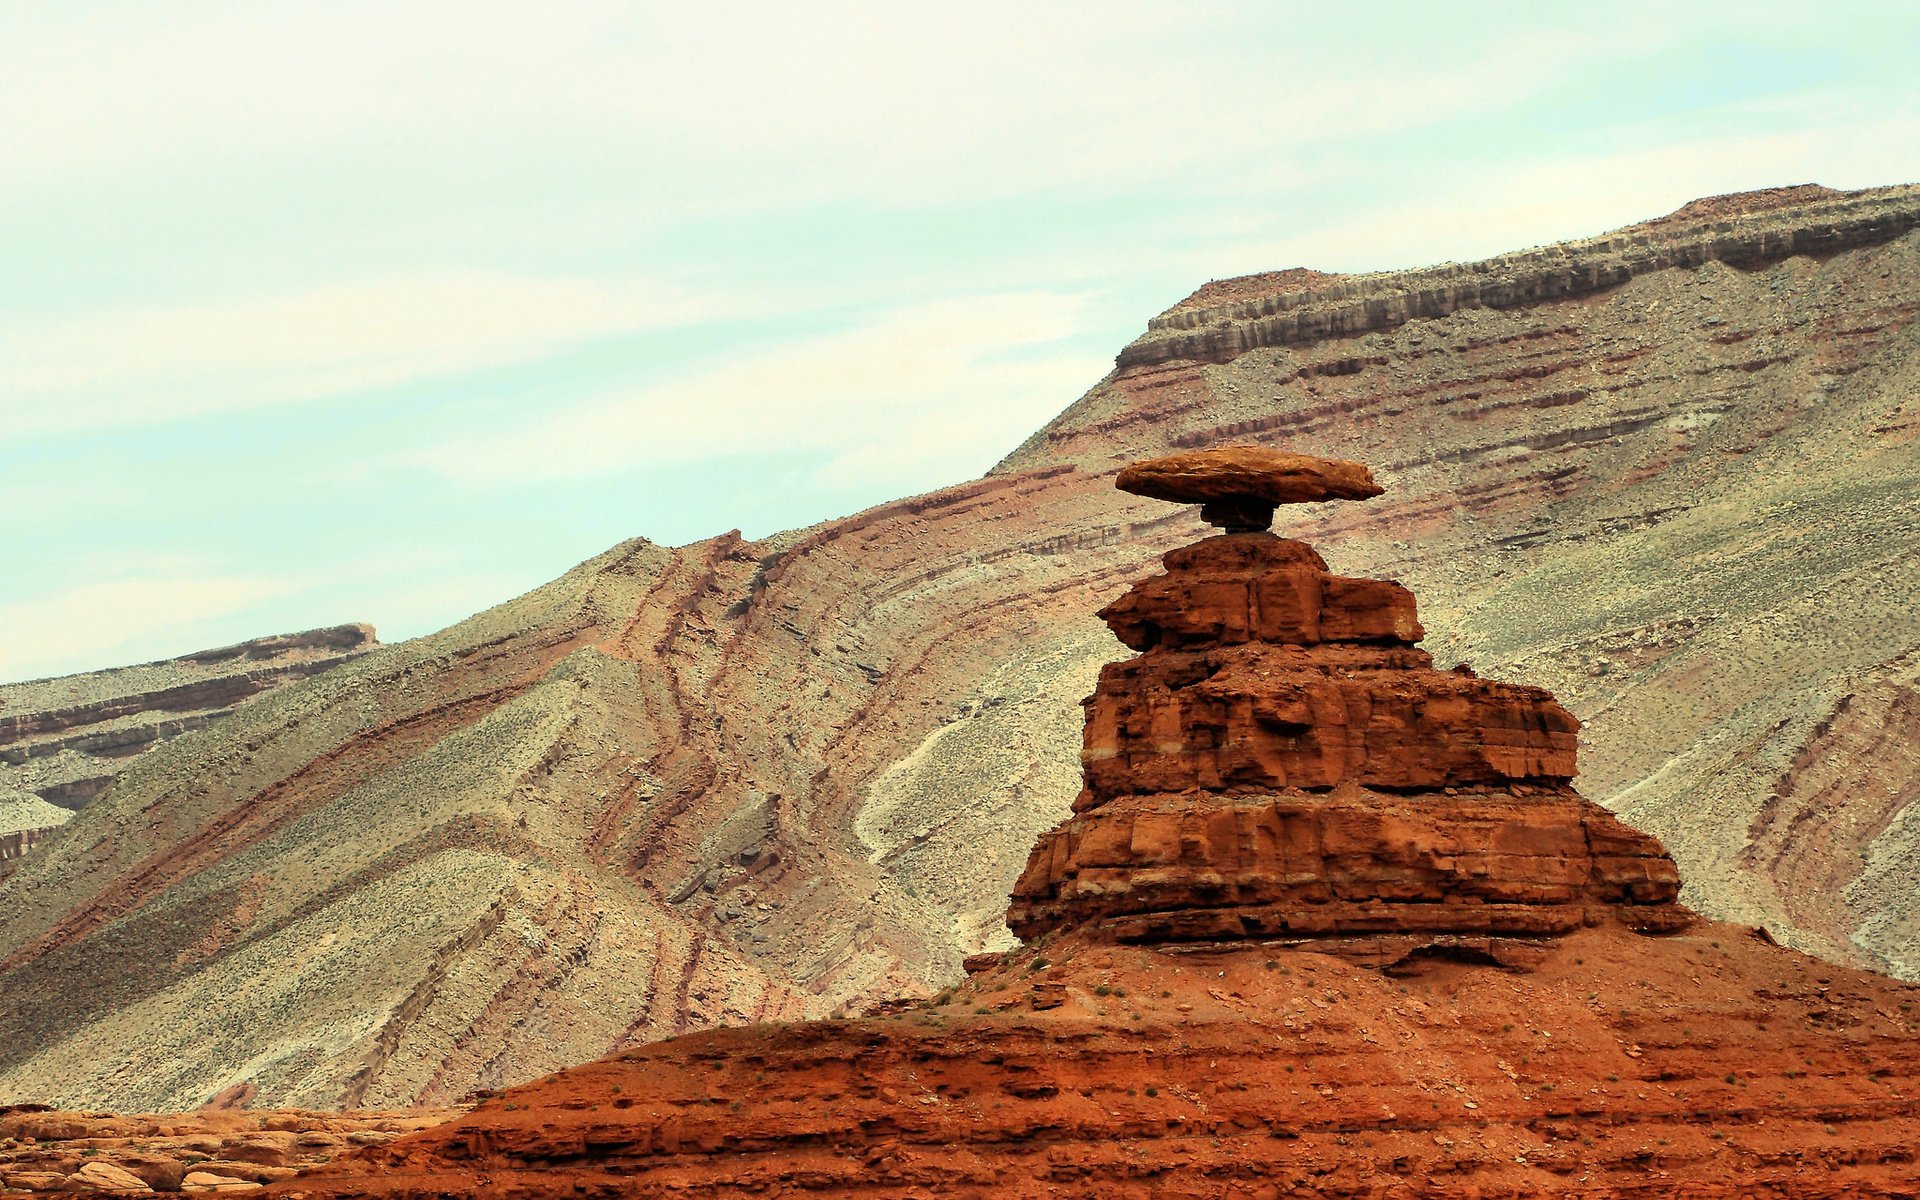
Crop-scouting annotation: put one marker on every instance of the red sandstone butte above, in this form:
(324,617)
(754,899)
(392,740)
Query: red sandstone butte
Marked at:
(1325,923)
(1283,762)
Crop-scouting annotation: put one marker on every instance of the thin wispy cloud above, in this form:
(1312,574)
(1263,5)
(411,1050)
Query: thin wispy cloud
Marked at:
(925,388)
(123,368)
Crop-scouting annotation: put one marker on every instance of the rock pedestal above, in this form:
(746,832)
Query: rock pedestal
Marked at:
(1282,762)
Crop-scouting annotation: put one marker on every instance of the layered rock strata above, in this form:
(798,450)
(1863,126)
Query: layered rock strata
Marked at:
(26,819)
(1822,222)
(46,1150)
(1283,762)
(67,738)
(1705,1066)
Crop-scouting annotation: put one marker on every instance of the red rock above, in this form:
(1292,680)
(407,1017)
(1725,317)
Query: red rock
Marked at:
(1255,472)
(1281,762)
(105,1177)
(1238,486)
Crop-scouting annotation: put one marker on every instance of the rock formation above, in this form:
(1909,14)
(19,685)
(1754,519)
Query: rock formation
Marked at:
(1194,1016)
(805,769)
(1281,762)
(65,739)
(214,1150)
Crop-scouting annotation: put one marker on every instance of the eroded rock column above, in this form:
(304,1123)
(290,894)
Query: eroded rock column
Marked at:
(1282,762)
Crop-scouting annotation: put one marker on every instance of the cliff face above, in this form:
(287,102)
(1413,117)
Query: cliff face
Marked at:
(737,780)
(1795,222)
(64,740)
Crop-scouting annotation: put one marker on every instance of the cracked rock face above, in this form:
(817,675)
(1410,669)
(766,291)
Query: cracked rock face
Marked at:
(1284,763)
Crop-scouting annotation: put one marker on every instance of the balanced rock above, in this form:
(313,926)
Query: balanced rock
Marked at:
(1239,486)
(1284,763)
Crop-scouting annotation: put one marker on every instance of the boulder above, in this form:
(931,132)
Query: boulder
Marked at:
(105,1177)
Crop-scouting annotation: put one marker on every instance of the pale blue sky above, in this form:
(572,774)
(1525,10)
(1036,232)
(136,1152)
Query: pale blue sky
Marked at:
(388,311)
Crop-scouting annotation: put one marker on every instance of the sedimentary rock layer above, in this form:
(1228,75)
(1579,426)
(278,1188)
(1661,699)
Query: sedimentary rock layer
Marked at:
(1705,1065)
(1026,1081)
(1282,762)
(66,739)
(1352,306)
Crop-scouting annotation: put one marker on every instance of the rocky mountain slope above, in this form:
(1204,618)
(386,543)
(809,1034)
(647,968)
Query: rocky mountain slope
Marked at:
(758,779)
(63,740)
(1325,922)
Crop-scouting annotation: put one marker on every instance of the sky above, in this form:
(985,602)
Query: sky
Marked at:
(340,311)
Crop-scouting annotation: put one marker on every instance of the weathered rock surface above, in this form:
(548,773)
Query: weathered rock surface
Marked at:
(806,769)
(43,1150)
(1251,474)
(1281,762)
(64,740)
(1701,1065)
(24,820)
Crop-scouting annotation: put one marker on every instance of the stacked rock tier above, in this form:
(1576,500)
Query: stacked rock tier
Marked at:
(1283,763)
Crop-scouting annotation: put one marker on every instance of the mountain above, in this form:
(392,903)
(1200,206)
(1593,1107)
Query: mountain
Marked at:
(63,740)
(1668,473)
(1325,921)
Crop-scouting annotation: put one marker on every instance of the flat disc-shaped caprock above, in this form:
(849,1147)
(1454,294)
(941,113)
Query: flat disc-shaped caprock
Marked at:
(1239,486)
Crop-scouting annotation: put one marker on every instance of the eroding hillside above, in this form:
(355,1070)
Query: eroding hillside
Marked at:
(65,739)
